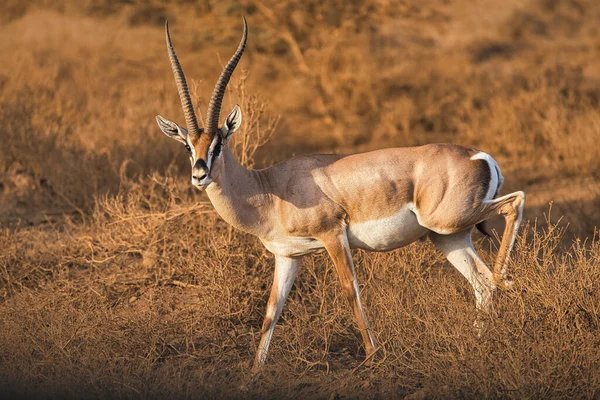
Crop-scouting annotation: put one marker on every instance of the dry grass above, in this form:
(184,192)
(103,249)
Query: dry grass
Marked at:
(147,301)
(118,280)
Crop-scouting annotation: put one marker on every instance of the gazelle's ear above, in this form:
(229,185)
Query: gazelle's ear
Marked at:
(171,129)
(232,123)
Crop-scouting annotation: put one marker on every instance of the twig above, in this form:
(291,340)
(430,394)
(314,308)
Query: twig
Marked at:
(286,35)
(183,284)
(370,356)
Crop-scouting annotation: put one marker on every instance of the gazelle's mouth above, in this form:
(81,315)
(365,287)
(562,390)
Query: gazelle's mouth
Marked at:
(202,182)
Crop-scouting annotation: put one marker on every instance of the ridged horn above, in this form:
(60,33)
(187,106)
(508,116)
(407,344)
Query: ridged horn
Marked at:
(214,107)
(184,94)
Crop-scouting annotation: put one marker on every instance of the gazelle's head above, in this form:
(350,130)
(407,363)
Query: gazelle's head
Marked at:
(204,145)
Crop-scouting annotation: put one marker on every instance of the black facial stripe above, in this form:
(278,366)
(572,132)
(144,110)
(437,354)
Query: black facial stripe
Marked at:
(217,150)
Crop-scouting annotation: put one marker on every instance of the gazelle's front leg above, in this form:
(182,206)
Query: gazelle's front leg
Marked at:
(285,274)
(339,250)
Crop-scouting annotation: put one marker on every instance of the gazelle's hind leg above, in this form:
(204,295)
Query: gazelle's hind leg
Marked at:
(459,250)
(511,207)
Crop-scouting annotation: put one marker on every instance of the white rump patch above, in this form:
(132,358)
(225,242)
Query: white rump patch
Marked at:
(496,176)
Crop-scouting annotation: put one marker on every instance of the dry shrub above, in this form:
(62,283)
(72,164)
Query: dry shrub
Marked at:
(148,300)
(258,124)
(69,174)
(72,135)
(409,73)
(544,117)
(117,279)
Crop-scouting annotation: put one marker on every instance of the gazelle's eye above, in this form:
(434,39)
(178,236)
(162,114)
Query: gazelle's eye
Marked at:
(187,147)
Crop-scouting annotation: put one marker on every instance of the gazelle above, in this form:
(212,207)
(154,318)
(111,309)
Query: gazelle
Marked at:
(378,201)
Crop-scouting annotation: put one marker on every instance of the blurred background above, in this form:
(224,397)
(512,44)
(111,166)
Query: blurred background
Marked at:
(81,82)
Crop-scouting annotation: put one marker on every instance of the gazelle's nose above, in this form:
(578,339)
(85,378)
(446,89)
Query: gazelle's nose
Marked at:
(198,178)
(199,172)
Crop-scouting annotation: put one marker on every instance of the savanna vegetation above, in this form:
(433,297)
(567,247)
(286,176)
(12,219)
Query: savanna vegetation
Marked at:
(118,280)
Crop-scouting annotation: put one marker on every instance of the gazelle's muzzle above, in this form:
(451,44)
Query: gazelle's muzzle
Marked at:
(201,174)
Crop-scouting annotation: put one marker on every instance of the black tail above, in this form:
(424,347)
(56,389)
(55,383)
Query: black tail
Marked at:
(481,228)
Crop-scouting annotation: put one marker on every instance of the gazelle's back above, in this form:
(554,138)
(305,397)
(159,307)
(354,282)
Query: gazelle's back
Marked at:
(375,184)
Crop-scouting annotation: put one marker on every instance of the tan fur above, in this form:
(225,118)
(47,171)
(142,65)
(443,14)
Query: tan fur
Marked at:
(307,195)
(202,143)
(307,204)
(376,201)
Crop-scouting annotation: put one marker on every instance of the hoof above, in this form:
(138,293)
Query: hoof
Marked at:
(255,370)
(368,361)
(506,284)
(371,357)
(247,383)
(479,326)
(244,387)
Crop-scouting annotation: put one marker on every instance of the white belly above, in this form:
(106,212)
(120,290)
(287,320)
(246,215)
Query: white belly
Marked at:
(291,246)
(387,233)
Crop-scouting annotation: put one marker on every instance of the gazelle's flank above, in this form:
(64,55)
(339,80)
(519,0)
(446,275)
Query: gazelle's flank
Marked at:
(378,201)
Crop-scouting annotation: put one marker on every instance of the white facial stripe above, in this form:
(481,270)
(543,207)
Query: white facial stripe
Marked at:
(189,142)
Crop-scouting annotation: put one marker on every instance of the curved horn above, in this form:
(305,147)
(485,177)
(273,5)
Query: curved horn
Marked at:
(214,108)
(184,94)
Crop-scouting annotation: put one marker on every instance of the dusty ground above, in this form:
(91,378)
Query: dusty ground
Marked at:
(118,280)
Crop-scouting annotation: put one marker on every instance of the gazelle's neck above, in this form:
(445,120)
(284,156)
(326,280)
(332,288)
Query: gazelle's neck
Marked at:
(239,195)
